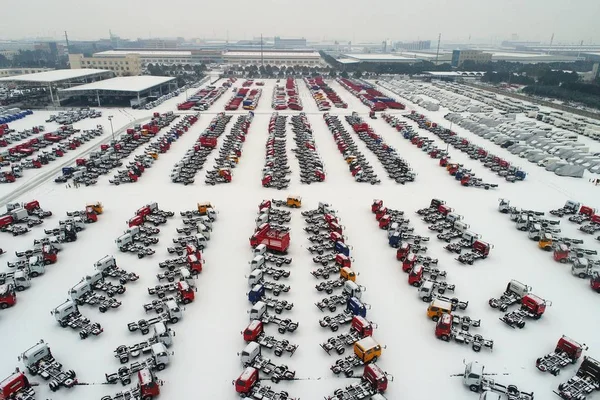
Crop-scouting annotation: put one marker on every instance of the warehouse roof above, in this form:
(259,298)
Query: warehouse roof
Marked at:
(346,61)
(381,58)
(377,57)
(55,76)
(132,84)
(267,54)
(147,53)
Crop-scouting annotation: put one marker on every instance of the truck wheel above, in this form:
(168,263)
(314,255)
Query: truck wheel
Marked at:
(435,318)
(474,388)
(445,338)
(582,275)
(174,320)
(349,373)
(334,328)
(102,309)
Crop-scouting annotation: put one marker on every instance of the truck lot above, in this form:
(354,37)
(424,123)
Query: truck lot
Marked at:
(207,340)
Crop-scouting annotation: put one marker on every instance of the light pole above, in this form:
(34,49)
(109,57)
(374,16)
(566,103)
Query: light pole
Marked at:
(110,117)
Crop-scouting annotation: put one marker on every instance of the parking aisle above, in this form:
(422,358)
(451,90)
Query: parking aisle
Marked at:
(336,168)
(309,104)
(253,154)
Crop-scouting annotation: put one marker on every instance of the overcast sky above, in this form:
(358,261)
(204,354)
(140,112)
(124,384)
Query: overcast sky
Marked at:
(358,20)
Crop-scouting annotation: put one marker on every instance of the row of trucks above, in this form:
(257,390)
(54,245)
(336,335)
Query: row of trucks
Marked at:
(29,214)
(423,275)
(255,335)
(438,213)
(169,310)
(530,305)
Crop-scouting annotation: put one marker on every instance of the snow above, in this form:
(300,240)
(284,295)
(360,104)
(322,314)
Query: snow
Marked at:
(123,83)
(208,336)
(54,76)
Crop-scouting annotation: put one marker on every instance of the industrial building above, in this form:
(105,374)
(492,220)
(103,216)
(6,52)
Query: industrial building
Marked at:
(21,71)
(280,43)
(377,58)
(125,62)
(477,56)
(60,78)
(287,58)
(120,64)
(124,90)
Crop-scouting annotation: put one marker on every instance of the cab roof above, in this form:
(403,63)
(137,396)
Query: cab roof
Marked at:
(367,343)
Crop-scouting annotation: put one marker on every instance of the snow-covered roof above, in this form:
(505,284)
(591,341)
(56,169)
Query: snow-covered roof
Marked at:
(346,61)
(272,54)
(123,84)
(147,53)
(384,58)
(57,75)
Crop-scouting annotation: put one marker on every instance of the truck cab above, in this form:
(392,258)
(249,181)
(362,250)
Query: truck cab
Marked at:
(185,292)
(105,263)
(8,297)
(16,386)
(376,377)
(426,290)
(343,261)
(294,201)
(561,253)
(163,334)
(546,241)
(258,310)
(352,289)
(355,306)
(443,327)
(173,311)
(438,308)
(581,267)
(249,353)
(259,250)
(124,240)
(253,330)
(518,288)
(256,276)
(246,381)
(64,310)
(80,290)
(148,385)
(348,274)
(535,305)
(160,355)
(473,376)
(367,349)
(257,262)
(35,354)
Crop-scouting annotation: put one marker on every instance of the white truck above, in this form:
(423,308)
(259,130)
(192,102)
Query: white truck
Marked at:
(38,360)
(476,381)
(67,315)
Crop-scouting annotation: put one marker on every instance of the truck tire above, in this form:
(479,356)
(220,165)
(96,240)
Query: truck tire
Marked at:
(174,320)
(474,388)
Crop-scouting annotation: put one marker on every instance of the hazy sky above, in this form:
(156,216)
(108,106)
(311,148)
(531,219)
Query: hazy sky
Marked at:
(358,20)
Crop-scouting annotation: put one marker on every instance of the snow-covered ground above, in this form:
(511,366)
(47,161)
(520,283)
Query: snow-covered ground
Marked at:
(208,338)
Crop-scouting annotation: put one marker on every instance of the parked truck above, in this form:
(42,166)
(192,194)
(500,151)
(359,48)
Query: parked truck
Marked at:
(478,382)
(276,241)
(38,360)
(567,351)
(68,315)
(585,381)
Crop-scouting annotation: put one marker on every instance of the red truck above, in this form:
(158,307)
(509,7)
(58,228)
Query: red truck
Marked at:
(275,240)
(16,386)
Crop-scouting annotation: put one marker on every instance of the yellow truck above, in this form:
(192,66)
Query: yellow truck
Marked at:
(203,208)
(97,207)
(348,274)
(367,350)
(546,241)
(294,201)
(437,308)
